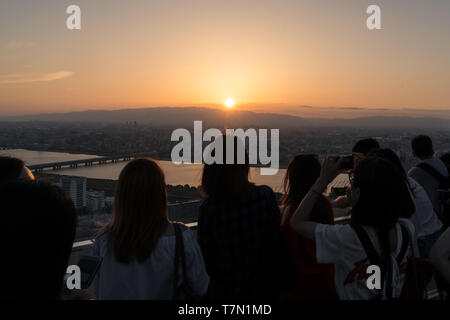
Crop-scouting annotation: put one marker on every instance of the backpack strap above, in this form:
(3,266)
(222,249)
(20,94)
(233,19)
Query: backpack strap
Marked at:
(177,257)
(368,247)
(373,256)
(180,253)
(180,246)
(405,243)
(433,172)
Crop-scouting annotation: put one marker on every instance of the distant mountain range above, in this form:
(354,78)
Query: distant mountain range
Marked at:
(184,117)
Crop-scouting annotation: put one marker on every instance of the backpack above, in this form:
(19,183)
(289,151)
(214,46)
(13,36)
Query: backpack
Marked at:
(444,191)
(414,285)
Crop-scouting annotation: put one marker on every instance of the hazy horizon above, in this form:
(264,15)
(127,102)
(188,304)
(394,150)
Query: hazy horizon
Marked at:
(303,58)
(307,112)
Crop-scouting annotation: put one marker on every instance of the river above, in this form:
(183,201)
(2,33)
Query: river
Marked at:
(175,174)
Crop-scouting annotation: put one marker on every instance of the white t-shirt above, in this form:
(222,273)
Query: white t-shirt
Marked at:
(153,279)
(427,218)
(340,245)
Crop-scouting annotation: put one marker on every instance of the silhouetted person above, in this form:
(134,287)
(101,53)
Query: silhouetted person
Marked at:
(138,246)
(360,151)
(422,148)
(428,225)
(38,228)
(13,168)
(379,198)
(445,158)
(313,280)
(362,148)
(238,231)
(440,258)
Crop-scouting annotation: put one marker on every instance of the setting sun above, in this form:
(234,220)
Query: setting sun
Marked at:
(229,103)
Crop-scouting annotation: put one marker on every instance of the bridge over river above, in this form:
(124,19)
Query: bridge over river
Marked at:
(86,162)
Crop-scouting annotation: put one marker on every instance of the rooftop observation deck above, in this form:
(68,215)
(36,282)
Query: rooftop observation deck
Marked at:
(83,248)
(179,211)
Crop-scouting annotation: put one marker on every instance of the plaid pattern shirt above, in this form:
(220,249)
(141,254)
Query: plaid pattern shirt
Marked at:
(239,239)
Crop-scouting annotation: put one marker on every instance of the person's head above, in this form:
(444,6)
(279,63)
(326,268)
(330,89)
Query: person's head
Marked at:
(362,148)
(380,197)
(39,222)
(302,171)
(422,147)
(391,156)
(379,194)
(220,181)
(13,168)
(139,211)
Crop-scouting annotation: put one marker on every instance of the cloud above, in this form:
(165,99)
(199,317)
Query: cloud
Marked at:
(33,77)
(350,108)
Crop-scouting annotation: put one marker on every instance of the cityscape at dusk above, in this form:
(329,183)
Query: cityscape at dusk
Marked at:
(265,151)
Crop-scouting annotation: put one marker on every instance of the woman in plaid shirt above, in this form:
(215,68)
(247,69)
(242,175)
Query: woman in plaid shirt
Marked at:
(238,232)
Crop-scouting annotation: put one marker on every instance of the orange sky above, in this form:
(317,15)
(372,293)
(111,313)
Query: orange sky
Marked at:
(267,55)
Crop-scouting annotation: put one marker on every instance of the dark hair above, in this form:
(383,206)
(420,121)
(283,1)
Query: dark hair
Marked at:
(391,156)
(220,181)
(39,222)
(302,171)
(365,146)
(384,197)
(422,147)
(139,212)
(10,168)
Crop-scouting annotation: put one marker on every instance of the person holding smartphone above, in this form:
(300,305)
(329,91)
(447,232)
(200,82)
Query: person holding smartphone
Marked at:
(379,198)
(359,152)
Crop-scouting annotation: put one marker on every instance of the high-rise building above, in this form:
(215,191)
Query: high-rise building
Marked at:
(96,200)
(75,187)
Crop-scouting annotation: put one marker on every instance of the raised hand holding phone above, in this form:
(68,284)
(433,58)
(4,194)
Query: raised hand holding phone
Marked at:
(329,171)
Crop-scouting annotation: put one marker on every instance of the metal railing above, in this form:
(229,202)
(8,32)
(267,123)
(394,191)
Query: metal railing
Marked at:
(432,294)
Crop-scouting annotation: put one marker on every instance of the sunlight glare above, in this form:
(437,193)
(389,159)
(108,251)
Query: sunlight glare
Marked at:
(229,103)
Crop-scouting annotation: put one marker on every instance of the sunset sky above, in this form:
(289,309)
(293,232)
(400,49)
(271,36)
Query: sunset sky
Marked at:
(270,56)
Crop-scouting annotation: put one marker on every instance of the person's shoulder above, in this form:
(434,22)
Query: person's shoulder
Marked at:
(341,231)
(263,187)
(264,190)
(182,226)
(441,167)
(170,230)
(408,224)
(413,171)
(102,234)
(101,237)
(334,242)
(414,185)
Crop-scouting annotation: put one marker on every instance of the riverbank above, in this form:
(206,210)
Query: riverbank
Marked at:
(178,193)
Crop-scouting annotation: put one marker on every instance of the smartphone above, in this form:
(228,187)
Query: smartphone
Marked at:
(347,162)
(339,191)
